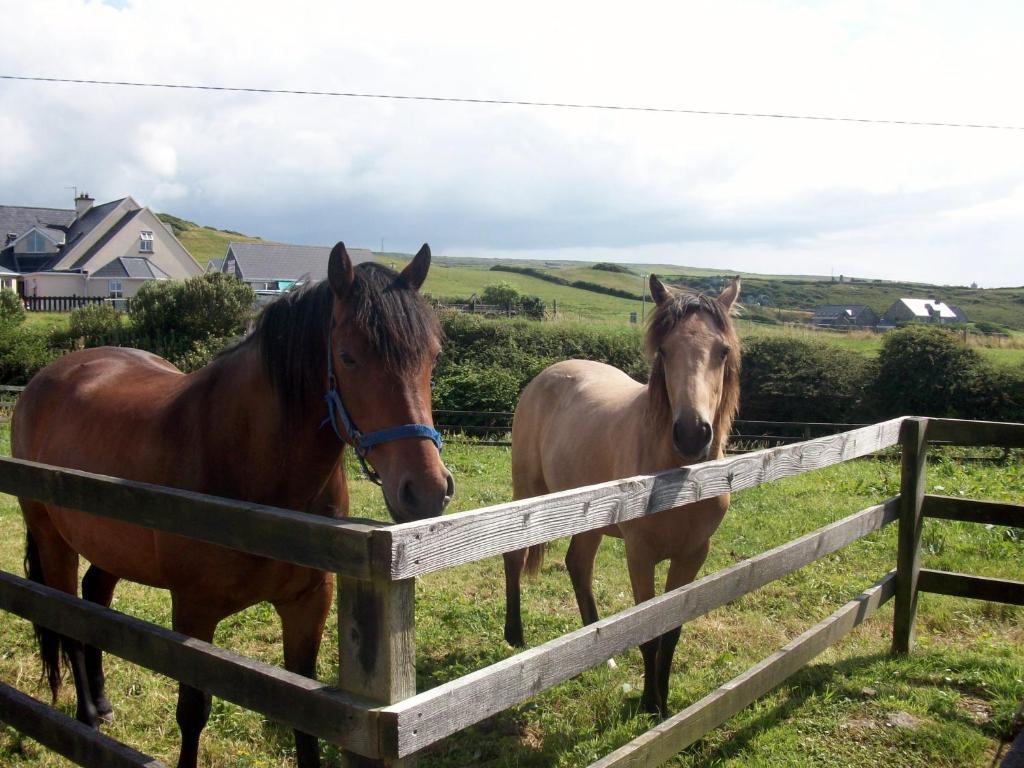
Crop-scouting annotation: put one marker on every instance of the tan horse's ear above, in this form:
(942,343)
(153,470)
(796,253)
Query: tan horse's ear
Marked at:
(415,272)
(731,292)
(659,292)
(340,273)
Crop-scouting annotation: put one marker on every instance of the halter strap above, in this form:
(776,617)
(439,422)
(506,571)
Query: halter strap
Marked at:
(363,443)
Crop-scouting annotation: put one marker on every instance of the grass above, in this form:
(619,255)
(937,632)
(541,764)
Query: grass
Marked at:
(204,243)
(958,691)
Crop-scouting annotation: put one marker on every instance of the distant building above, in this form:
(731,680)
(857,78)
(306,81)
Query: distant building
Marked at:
(845,316)
(922,311)
(106,251)
(272,268)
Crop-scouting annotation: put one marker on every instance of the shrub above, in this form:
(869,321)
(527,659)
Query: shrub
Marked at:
(96,323)
(502,294)
(926,371)
(470,387)
(23,351)
(12,310)
(175,315)
(786,379)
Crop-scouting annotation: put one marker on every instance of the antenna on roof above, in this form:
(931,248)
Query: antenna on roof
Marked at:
(72,186)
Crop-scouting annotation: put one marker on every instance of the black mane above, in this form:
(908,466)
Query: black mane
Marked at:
(292,331)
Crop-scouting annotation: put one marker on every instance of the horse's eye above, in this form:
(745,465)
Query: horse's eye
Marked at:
(347,360)
(725,352)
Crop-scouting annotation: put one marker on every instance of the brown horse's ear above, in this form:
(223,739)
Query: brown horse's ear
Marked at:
(340,273)
(731,292)
(659,292)
(415,273)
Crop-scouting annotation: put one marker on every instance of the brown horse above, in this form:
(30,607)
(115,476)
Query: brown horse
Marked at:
(251,425)
(580,423)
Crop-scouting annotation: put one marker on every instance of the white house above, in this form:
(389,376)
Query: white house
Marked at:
(922,310)
(106,251)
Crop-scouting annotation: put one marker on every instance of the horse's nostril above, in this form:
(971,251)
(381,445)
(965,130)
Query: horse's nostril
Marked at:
(450,491)
(407,494)
(705,431)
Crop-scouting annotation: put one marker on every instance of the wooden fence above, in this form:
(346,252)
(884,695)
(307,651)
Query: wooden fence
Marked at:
(59,303)
(375,710)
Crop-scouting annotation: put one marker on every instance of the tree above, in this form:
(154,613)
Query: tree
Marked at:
(503,294)
(213,305)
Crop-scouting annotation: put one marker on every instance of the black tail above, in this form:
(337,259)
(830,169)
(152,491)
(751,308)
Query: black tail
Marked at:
(49,641)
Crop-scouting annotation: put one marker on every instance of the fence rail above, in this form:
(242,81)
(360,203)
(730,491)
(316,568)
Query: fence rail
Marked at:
(376,711)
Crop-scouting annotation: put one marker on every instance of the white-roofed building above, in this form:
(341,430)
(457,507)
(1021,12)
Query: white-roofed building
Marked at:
(923,311)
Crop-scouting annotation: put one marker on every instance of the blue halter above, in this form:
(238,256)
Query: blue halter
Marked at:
(363,443)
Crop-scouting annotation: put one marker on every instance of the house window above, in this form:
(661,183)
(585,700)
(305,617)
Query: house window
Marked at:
(115,289)
(35,243)
(145,241)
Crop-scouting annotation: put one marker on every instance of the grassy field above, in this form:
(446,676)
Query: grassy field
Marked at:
(945,705)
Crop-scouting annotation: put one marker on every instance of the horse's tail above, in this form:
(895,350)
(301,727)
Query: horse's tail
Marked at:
(49,641)
(535,559)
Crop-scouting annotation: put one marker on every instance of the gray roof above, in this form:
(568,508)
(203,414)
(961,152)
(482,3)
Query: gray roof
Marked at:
(83,226)
(118,225)
(271,261)
(20,219)
(215,265)
(132,266)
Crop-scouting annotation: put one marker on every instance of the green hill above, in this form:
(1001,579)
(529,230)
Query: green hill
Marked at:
(204,243)
(581,289)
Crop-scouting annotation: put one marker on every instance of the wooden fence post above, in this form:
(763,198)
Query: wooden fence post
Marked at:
(914,447)
(377,647)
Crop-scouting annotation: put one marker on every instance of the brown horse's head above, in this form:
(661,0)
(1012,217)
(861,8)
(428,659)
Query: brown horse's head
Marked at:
(384,341)
(695,373)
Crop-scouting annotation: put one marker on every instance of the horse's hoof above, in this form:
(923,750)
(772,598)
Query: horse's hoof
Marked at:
(104,712)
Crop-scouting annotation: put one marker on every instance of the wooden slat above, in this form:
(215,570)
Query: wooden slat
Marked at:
(343,546)
(969,432)
(976,587)
(377,648)
(671,736)
(973,511)
(288,698)
(914,449)
(430,545)
(442,711)
(59,733)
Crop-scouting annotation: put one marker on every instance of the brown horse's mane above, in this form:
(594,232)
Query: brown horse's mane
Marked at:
(292,332)
(663,320)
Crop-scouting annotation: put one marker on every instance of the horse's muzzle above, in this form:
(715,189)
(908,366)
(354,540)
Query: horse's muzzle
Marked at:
(419,497)
(692,438)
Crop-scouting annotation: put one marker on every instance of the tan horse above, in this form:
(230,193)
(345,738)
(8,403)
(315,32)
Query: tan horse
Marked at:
(581,422)
(252,425)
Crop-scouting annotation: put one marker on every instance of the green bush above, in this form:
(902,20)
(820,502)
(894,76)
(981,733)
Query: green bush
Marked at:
(23,351)
(927,371)
(96,323)
(12,310)
(797,380)
(213,305)
(486,388)
(502,294)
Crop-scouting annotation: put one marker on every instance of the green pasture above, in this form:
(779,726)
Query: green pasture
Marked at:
(948,704)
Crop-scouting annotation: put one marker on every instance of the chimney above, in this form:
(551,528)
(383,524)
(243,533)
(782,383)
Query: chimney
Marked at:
(11,237)
(82,204)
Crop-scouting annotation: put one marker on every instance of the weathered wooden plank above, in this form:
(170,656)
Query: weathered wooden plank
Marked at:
(288,698)
(430,545)
(973,511)
(914,447)
(342,546)
(967,585)
(59,733)
(671,736)
(377,649)
(969,432)
(424,719)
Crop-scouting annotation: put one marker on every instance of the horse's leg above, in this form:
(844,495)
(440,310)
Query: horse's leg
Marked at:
(302,625)
(579,560)
(515,562)
(681,571)
(641,563)
(98,587)
(52,562)
(195,620)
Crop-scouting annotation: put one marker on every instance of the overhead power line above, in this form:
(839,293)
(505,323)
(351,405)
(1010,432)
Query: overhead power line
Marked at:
(518,103)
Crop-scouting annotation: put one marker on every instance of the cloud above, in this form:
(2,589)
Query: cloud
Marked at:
(782,196)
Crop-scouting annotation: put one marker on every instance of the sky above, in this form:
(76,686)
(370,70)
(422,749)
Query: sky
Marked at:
(777,196)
